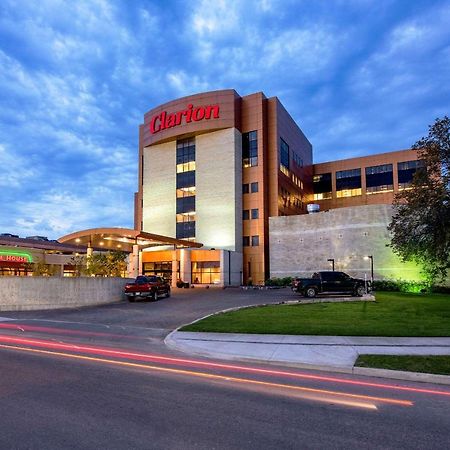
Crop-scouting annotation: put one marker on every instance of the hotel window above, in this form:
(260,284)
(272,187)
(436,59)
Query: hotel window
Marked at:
(406,171)
(245,188)
(186,204)
(250,149)
(205,272)
(255,241)
(348,183)
(246,241)
(255,213)
(254,187)
(284,157)
(186,229)
(379,179)
(185,193)
(322,187)
(245,214)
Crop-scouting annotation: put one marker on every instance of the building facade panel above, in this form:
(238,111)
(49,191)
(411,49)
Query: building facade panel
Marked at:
(159,187)
(219,189)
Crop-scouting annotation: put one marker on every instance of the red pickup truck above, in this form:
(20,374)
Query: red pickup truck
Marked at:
(147,287)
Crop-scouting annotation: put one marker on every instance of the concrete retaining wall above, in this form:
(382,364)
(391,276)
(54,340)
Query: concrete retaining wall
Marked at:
(301,245)
(28,293)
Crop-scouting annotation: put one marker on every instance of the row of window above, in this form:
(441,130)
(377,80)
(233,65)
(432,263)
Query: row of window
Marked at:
(378,179)
(250,188)
(253,240)
(250,213)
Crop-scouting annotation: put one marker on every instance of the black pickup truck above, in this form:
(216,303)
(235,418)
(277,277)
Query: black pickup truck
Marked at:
(330,283)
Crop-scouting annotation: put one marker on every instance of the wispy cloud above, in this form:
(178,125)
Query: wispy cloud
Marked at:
(76,78)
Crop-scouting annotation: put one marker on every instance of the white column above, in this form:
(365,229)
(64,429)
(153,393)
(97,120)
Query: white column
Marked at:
(174,268)
(185,265)
(89,252)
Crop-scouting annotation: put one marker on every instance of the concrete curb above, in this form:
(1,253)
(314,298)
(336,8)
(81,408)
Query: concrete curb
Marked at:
(174,344)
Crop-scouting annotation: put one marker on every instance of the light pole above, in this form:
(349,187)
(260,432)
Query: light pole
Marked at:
(371,266)
(331,260)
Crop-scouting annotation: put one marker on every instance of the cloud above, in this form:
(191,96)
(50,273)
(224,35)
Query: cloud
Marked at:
(77,77)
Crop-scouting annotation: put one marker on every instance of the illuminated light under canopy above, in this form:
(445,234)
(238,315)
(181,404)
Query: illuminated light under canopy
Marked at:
(15,256)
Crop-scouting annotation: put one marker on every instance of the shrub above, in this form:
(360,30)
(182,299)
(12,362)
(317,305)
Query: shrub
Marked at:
(401,286)
(280,282)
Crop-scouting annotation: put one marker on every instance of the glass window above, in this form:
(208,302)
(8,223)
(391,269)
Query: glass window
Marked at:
(185,179)
(250,149)
(185,150)
(284,154)
(322,187)
(205,272)
(255,213)
(379,179)
(255,241)
(185,230)
(245,188)
(246,241)
(348,183)
(245,214)
(185,204)
(254,187)
(406,171)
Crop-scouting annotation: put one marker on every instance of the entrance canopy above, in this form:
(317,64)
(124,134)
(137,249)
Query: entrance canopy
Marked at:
(123,239)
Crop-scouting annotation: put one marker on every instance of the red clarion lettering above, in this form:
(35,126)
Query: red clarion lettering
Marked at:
(164,120)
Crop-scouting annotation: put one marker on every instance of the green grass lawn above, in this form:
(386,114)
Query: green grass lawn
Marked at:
(393,314)
(425,364)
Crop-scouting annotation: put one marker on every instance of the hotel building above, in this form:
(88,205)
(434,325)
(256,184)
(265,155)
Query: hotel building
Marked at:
(214,167)
(223,189)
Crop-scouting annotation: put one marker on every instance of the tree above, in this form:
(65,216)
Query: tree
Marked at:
(111,264)
(421,225)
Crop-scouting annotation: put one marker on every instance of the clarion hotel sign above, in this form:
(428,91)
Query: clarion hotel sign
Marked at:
(163,120)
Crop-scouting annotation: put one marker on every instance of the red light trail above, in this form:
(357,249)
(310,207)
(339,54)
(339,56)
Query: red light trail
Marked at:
(119,353)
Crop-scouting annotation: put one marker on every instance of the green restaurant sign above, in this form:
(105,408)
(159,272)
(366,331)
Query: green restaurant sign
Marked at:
(17,257)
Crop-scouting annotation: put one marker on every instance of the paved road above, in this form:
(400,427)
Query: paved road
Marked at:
(100,378)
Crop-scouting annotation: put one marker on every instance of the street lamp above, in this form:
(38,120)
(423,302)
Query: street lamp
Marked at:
(371,266)
(331,260)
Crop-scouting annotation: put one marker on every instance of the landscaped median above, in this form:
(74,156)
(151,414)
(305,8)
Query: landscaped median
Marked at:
(393,314)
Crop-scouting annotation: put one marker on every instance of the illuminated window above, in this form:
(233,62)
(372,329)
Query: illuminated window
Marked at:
(250,149)
(379,179)
(348,193)
(205,272)
(322,186)
(186,167)
(348,183)
(323,196)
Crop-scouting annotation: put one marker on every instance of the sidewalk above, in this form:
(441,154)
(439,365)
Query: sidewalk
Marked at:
(336,353)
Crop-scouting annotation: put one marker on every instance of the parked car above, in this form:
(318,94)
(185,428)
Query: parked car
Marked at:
(330,283)
(147,287)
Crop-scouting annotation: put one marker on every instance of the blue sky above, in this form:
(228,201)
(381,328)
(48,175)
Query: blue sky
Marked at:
(76,77)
